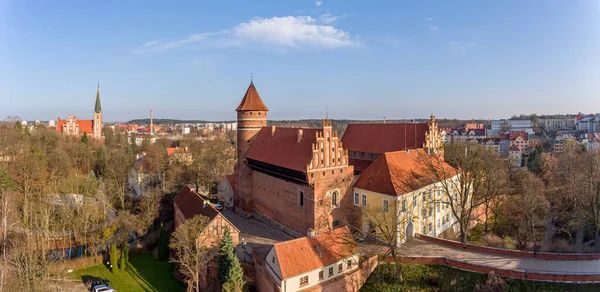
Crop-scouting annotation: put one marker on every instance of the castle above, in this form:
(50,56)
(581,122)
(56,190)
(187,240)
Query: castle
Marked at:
(74,127)
(301,178)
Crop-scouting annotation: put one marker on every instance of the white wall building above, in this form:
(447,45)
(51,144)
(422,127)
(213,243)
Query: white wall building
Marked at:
(515,126)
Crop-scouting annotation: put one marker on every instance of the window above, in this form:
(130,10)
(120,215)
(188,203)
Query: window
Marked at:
(321,275)
(430,211)
(330,271)
(424,230)
(386,205)
(439,223)
(403,205)
(438,207)
(424,213)
(424,197)
(364,199)
(349,264)
(273,260)
(356,198)
(304,281)
(414,202)
(334,199)
(340,267)
(336,223)
(430,227)
(301,198)
(447,218)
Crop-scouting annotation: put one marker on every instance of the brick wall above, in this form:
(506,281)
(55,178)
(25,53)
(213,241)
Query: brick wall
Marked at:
(514,253)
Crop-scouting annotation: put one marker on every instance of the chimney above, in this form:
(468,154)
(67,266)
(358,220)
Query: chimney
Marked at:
(299,137)
(151,123)
(310,233)
(272,131)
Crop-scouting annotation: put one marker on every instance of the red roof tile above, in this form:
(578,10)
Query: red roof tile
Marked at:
(173,150)
(300,255)
(359,164)
(85,126)
(251,101)
(191,204)
(514,135)
(281,149)
(381,138)
(394,172)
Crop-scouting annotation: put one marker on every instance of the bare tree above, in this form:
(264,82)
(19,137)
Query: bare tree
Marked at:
(191,251)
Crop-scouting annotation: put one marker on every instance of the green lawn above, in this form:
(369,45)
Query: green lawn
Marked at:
(423,278)
(144,273)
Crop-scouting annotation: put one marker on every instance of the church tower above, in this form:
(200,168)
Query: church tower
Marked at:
(251,117)
(97,126)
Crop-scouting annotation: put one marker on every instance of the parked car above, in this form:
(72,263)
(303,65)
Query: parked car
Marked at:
(99,285)
(103,288)
(219,207)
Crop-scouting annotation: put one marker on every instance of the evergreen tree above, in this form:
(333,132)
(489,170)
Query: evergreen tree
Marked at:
(124,256)
(163,244)
(100,165)
(226,255)
(114,265)
(235,278)
(84,138)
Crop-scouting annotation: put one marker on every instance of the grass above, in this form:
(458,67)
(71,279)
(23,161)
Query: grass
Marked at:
(143,273)
(423,278)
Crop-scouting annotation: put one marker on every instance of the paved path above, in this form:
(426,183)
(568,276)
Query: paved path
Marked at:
(417,247)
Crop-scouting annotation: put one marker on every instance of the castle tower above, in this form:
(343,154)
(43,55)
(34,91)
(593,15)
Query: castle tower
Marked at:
(98,116)
(251,117)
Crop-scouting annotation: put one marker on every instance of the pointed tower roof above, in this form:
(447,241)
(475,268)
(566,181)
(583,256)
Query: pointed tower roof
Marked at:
(251,101)
(98,107)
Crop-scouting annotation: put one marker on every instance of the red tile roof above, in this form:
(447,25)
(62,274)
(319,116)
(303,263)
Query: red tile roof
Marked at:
(231,179)
(85,126)
(281,149)
(513,136)
(173,150)
(381,138)
(359,164)
(251,101)
(191,204)
(397,173)
(300,255)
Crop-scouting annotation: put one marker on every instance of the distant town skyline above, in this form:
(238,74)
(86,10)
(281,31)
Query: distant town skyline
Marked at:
(361,59)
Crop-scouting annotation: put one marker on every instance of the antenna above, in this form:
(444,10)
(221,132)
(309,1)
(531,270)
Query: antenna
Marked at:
(251,78)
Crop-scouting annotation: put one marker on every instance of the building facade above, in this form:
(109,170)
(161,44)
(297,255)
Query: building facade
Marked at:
(500,126)
(75,127)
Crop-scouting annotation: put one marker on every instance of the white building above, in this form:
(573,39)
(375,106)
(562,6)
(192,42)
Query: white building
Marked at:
(589,125)
(515,126)
(51,123)
(515,155)
(304,262)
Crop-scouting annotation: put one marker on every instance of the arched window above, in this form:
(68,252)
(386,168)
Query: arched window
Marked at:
(334,199)
(301,198)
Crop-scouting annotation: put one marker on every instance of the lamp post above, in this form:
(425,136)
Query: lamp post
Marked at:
(244,248)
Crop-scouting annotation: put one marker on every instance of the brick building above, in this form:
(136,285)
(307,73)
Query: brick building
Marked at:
(294,178)
(367,142)
(74,127)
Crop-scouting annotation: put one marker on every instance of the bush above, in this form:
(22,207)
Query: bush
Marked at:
(493,283)
(434,280)
(508,242)
(561,245)
(492,240)
(114,265)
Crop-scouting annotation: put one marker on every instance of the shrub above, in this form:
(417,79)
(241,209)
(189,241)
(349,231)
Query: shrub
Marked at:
(493,283)
(492,240)
(114,265)
(508,242)
(561,245)
(434,280)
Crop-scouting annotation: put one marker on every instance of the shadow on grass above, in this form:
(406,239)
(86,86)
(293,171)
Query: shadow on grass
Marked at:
(158,275)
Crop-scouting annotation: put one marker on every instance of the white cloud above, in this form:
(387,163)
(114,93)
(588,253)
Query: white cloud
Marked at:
(289,32)
(328,18)
(318,3)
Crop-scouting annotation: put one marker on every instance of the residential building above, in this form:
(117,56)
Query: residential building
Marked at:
(558,122)
(75,127)
(367,142)
(388,195)
(515,155)
(188,204)
(180,156)
(296,178)
(225,191)
(519,139)
(514,125)
(491,144)
(589,125)
(465,134)
(312,263)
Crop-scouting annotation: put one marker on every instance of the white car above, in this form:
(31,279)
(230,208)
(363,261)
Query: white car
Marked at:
(219,207)
(103,288)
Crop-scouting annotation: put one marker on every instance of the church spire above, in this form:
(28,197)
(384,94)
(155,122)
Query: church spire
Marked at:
(98,108)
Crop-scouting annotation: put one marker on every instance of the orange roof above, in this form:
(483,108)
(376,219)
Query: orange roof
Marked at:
(191,204)
(301,255)
(281,148)
(514,135)
(514,148)
(397,173)
(381,138)
(172,150)
(231,179)
(251,101)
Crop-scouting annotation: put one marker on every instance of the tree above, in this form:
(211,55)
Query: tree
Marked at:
(124,256)
(505,127)
(191,251)
(493,184)
(163,244)
(235,277)
(114,265)
(535,160)
(84,138)
(226,255)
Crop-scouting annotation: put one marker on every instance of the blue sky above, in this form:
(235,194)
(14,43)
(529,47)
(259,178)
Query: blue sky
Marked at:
(361,59)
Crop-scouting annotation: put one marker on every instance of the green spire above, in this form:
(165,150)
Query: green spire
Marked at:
(98,108)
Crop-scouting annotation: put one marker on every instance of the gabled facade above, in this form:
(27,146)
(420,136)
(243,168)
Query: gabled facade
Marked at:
(225,191)
(75,127)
